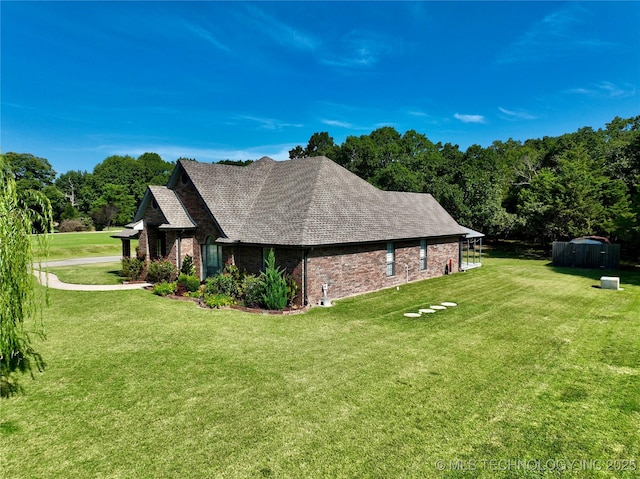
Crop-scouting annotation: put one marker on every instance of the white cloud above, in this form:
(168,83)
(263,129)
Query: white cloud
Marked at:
(337,123)
(202,32)
(359,49)
(469,118)
(270,123)
(559,33)
(517,114)
(280,31)
(605,89)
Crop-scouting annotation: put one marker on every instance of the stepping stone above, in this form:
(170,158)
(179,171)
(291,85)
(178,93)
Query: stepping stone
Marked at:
(437,306)
(448,305)
(412,315)
(427,311)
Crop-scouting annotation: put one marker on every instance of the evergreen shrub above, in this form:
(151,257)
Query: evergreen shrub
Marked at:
(275,287)
(188,267)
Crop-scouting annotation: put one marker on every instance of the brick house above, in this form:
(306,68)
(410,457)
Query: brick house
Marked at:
(325,224)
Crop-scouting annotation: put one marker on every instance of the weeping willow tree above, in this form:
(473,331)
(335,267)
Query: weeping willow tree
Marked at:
(21,214)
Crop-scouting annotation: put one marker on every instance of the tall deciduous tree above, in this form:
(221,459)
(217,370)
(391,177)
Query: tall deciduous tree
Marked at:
(19,319)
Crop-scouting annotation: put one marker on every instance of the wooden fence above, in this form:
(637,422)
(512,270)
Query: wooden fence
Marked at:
(580,255)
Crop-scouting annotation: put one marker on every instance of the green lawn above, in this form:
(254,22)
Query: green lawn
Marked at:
(85,244)
(534,364)
(99,273)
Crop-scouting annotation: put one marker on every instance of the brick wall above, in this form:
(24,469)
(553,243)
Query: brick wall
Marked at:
(351,270)
(200,215)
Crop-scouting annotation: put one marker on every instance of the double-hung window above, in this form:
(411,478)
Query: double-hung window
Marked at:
(423,254)
(391,259)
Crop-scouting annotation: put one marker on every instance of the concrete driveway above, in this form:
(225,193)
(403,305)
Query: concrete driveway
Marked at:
(52,280)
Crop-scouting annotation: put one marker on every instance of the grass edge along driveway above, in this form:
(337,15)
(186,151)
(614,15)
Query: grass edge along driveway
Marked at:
(534,364)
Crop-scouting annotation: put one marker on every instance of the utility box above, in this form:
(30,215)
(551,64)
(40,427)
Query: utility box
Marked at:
(610,282)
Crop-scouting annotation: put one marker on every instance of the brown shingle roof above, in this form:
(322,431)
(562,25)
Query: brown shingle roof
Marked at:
(311,202)
(174,212)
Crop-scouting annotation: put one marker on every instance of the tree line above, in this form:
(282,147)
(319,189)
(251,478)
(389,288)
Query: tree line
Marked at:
(545,189)
(553,188)
(81,200)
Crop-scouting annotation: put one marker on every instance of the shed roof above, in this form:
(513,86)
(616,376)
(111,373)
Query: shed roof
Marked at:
(472,233)
(310,202)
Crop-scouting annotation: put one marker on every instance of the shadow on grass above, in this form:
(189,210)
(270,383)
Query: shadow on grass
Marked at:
(627,275)
(515,250)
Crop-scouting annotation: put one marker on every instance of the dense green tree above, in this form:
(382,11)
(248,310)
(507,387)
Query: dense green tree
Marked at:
(358,155)
(320,144)
(114,206)
(235,162)
(574,199)
(513,188)
(71,184)
(30,172)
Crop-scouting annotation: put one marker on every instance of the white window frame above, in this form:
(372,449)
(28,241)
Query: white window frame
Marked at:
(423,255)
(391,259)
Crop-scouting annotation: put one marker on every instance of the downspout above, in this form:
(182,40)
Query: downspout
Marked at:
(305,299)
(179,249)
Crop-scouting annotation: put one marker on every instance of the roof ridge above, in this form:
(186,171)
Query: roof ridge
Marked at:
(264,163)
(307,216)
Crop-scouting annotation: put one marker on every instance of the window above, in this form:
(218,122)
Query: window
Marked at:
(211,258)
(391,259)
(161,245)
(423,254)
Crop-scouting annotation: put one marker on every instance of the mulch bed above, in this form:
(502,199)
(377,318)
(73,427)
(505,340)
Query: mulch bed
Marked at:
(198,302)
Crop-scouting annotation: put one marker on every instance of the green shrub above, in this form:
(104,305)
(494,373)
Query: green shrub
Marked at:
(188,267)
(161,270)
(252,291)
(221,284)
(292,288)
(233,271)
(163,288)
(189,282)
(132,268)
(274,284)
(218,300)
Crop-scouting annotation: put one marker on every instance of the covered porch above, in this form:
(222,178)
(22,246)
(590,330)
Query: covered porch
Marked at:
(131,232)
(471,250)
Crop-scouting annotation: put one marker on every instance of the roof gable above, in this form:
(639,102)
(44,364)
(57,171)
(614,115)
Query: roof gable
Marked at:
(171,208)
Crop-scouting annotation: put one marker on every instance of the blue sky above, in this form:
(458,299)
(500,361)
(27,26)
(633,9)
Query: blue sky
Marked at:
(228,80)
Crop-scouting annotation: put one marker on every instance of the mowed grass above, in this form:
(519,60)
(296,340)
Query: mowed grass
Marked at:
(98,273)
(83,244)
(534,364)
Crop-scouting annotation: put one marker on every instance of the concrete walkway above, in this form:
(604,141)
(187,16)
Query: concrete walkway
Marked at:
(52,280)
